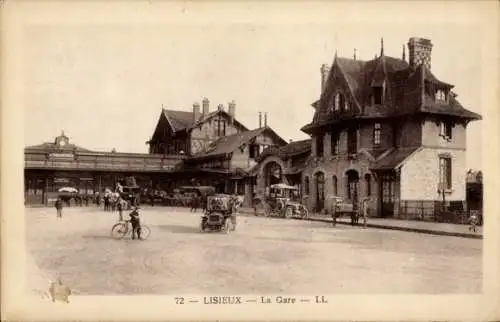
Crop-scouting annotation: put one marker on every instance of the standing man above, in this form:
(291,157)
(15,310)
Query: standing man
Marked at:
(59,207)
(364,211)
(121,205)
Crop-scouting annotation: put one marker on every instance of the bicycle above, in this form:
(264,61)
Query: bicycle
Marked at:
(121,229)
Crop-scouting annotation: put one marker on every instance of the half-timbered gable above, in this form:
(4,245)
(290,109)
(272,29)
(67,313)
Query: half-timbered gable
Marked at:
(190,133)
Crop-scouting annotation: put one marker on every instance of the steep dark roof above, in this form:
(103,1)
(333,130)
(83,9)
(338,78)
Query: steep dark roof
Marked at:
(295,148)
(287,151)
(230,143)
(182,120)
(404,95)
(179,120)
(393,159)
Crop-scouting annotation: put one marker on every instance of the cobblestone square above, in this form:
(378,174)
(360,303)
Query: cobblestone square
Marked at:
(262,256)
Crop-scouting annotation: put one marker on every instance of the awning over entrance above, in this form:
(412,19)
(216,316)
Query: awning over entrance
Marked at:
(394,159)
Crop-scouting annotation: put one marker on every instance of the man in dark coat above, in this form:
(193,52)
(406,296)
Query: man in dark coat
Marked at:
(59,207)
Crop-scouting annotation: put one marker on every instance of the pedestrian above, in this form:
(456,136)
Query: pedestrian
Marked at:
(364,211)
(473,222)
(136,223)
(59,207)
(194,202)
(121,205)
(334,213)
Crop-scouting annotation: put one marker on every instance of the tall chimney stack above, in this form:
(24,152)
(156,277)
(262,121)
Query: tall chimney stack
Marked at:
(231,110)
(260,120)
(196,112)
(206,106)
(325,70)
(419,52)
(265,119)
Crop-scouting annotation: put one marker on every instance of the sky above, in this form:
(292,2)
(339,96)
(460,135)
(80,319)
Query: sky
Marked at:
(105,84)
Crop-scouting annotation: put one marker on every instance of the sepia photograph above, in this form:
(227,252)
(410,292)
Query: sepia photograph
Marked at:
(249,159)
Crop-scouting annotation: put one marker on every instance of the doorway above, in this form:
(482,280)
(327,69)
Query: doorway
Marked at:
(320,191)
(388,194)
(352,187)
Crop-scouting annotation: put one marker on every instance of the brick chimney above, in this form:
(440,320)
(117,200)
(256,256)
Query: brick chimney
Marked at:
(265,119)
(206,106)
(325,70)
(419,52)
(196,112)
(231,110)
(260,120)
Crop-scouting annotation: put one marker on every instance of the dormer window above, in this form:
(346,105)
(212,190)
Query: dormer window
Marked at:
(441,96)
(378,93)
(337,102)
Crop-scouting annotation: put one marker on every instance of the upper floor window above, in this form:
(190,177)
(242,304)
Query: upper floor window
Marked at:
(319,145)
(222,127)
(335,138)
(446,130)
(378,93)
(376,133)
(445,172)
(336,102)
(254,151)
(441,96)
(368,182)
(352,140)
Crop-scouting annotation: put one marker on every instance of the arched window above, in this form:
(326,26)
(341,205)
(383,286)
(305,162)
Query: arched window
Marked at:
(335,186)
(346,105)
(368,182)
(342,101)
(337,101)
(306,185)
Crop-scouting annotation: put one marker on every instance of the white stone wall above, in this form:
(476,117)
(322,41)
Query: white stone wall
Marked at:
(420,175)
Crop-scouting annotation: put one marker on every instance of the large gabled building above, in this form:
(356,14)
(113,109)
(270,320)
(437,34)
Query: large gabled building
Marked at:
(388,130)
(192,132)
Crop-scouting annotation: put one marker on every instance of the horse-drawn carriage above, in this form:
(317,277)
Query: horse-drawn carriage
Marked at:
(343,208)
(279,202)
(220,214)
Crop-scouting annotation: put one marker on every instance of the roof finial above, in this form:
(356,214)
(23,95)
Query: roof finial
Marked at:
(404,52)
(335,58)
(354,53)
(382,46)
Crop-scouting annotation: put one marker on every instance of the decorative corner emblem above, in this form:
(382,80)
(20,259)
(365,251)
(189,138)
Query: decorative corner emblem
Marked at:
(59,291)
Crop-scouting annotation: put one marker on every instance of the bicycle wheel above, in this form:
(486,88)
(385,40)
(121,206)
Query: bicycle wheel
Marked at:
(145,232)
(119,230)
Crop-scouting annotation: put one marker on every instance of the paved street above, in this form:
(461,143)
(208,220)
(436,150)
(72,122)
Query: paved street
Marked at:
(264,255)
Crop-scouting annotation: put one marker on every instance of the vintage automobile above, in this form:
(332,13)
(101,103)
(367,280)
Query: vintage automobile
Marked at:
(220,214)
(279,202)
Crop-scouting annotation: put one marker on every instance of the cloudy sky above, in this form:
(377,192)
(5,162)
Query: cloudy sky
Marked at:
(104,84)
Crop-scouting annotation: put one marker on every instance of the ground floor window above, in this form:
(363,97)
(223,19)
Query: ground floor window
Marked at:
(445,172)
